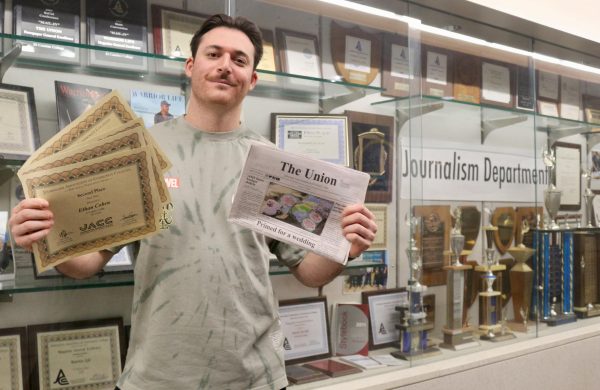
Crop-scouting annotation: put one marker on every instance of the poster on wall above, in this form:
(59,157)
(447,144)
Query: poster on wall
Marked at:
(156,107)
(74,99)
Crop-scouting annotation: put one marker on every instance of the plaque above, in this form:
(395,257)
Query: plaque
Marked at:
(568,174)
(467,78)
(591,105)
(525,98)
(86,353)
(305,327)
(268,62)
(324,137)
(56,20)
(547,108)
(356,53)
(352,329)
(383,316)
(121,27)
(548,86)
(74,99)
(396,77)
(372,151)
(497,84)
(332,368)
(504,219)
(437,72)
(20,135)
(297,374)
(13,359)
(434,238)
(570,98)
(299,53)
(471,221)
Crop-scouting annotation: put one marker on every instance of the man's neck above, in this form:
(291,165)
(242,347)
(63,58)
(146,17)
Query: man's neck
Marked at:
(214,119)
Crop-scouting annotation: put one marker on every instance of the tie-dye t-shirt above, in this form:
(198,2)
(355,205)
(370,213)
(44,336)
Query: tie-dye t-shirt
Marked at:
(204,315)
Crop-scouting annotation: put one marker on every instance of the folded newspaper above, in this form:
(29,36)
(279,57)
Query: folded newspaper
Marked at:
(297,199)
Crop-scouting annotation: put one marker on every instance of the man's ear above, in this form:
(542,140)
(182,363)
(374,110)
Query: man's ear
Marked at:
(254,80)
(189,64)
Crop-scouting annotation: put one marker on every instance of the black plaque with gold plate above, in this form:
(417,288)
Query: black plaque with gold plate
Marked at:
(396,66)
(434,238)
(524,89)
(372,152)
(437,72)
(356,53)
(586,291)
(467,78)
(504,219)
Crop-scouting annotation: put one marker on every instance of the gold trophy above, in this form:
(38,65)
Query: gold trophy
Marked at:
(457,334)
(521,281)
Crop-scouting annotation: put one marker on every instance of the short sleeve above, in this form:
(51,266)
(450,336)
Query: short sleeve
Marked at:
(287,254)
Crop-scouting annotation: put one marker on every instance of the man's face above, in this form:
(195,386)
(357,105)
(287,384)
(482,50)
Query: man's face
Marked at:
(164,108)
(222,71)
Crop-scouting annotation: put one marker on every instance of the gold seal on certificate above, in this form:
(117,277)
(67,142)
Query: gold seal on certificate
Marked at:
(356,53)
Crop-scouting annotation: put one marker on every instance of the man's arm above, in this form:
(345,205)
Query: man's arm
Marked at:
(359,227)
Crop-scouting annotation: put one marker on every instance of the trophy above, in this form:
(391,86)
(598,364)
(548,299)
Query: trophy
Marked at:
(588,196)
(552,195)
(457,334)
(521,280)
(414,326)
(490,301)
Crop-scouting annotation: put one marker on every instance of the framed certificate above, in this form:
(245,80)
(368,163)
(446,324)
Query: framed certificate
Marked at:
(437,72)
(570,98)
(356,53)
(383,316)
(268,61)
(547,108)
(372,151)
(548,86)
(591,106)
(497,84)
(13,362)
(396,66)
(18,122)
(173,30)
(324,137)
(87,353)
(305,326)
(380,212)
(568,174)
(299,53)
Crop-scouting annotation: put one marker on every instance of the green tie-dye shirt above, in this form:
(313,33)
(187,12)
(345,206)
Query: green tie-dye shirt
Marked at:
(204,315)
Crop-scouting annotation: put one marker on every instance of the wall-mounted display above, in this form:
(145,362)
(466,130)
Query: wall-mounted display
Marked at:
(568,174)
(570,98)
(497,84)
(438,71)
(396,75)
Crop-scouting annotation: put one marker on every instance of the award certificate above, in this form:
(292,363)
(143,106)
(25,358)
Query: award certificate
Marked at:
(570,99)
(18,120)
(568,177)
(13,366)
(396,66)
(548,86)
(547,108)
(437,68)
(383,316)
(299,54)
(495,84)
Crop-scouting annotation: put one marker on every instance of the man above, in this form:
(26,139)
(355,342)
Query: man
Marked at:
(203,312)
(163,114)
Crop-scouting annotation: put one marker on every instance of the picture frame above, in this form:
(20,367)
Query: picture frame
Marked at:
(380,211)
(324,137)
(498,83)
(437,72)
(21,136)
(13,356)
(269,61)
(173,29)
(305,327)
(383,316)
(372,151)
(299,53)
(568,174)
(105,337)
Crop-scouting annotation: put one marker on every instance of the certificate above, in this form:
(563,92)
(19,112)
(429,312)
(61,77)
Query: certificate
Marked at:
(82,355)
(299,53)
(568,174)
(97,204)
(356,53)
(324,137)
(591,106)
(548,86)
(380,213)
(14,367)
(547,108)
(496,84)
(18,122)
(570,98)
(383,316)
(305,327)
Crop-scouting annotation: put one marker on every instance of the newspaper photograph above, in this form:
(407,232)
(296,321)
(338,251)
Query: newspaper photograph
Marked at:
(297,199)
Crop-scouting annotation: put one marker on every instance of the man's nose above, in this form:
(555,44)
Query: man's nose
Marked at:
(225,63)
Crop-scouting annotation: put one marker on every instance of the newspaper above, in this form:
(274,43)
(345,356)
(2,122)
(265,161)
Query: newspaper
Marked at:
(297,199)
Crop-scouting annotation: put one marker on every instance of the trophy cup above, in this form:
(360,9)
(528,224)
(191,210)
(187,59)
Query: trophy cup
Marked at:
(552,195)
(490,300)
(414,327)
(589,196)
(457,335)
(521,281)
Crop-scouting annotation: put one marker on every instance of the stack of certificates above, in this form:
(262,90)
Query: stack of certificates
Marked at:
(103,178)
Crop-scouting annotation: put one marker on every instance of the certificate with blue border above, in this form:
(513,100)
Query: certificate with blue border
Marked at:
(324,137)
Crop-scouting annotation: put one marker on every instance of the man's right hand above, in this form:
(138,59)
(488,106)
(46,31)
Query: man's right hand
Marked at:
(30,221)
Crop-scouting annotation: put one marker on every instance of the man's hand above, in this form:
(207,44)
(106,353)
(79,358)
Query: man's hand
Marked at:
(359,227)
(30,221)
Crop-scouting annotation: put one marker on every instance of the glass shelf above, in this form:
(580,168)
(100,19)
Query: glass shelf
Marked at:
(25,285)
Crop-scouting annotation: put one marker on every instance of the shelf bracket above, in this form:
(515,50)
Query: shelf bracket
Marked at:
(556,132)
(327,104)
(9,59)
(405,114)
(489,125)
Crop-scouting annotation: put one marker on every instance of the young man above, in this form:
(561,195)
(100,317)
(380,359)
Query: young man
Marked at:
(203,313)
(164,114)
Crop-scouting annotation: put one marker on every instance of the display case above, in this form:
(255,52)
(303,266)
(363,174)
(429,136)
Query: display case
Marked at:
(481,145)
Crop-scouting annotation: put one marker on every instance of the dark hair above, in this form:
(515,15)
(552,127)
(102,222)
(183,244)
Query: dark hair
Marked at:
(239,23)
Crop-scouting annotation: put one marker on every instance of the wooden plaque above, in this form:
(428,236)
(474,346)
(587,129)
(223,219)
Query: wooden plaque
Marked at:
(467,78)
(504,218)
(437,72)
(434,239)
(356,53)
(396,66)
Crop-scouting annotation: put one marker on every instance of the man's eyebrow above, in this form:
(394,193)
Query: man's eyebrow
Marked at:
(237,52)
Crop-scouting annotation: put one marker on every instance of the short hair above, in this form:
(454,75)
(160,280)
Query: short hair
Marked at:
(238,23)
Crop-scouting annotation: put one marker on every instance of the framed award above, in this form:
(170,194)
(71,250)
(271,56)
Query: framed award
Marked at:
(437,72)
(396,66)
(324,137)
(591,106)
(547,108)
(383,316)
(14,365)
(467,78)
(88,353)
(18,122)
(268,62)
(568,174)
(497,84)
(173,30)
(305,327)
(570,98)
(548,87)
(356,53)
(372,151)
(380,213)
(299,53)
(434,240)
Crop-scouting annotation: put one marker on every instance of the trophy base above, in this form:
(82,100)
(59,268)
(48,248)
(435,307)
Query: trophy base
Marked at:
(417,355)
(458,339)
(518,327)
(560,319)
(585,312)
(497,337)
